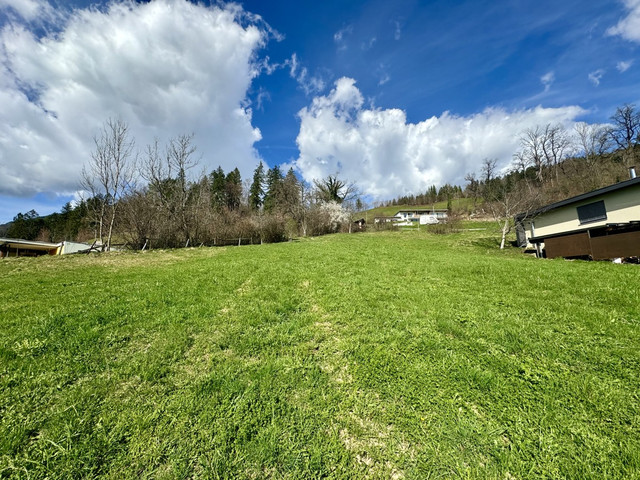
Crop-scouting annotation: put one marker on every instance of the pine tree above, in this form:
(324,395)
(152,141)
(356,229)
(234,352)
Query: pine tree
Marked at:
(272,196)
(233,188)
(256,191)
(217,181)
(290,193)
(432,194)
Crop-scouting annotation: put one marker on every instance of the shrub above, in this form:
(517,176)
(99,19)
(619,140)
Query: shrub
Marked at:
(452,224)
(385,226)
(272,228)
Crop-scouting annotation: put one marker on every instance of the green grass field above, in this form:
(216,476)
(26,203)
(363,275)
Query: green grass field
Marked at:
(378,355)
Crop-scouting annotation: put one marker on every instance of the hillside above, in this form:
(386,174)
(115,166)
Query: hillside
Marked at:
(376,355)
(459,204)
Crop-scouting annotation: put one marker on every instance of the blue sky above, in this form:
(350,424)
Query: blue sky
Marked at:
(395,96)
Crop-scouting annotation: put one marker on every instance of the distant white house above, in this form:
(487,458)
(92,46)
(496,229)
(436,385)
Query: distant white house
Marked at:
(423,216)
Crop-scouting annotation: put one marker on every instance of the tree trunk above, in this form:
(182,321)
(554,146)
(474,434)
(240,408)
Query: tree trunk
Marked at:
(100,226)
(505,230)
(111,222)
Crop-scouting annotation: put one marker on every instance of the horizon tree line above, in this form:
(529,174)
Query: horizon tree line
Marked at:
(153,198)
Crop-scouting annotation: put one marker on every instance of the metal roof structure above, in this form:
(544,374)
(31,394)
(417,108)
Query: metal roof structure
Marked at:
(17,243)
(19,248)
(422,210)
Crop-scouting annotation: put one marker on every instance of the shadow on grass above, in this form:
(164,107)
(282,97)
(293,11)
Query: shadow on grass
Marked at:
(486,242)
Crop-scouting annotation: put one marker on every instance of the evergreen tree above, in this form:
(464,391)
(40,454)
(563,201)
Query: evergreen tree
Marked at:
(272,196)
(290,195)
(256,191)
(217,181)
(432,194)
(233,189)
(74,217)
(26,226)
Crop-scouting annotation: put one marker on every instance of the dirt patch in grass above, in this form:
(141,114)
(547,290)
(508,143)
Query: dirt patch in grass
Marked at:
(371,448)
(245,287)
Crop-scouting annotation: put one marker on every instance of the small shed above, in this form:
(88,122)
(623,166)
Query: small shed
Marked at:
(359,223)
(14,247)
(601,224)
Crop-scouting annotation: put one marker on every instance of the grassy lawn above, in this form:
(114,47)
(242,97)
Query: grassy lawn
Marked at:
(383,355)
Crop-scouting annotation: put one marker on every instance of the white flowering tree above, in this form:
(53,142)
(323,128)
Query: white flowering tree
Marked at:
(338,198)
(336,214)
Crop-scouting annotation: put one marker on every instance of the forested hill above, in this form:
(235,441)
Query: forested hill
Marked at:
(69,224)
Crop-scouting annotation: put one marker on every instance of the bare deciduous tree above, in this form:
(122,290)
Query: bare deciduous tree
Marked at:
(625,131)
(473,188)
(167,177)
(489,166)
(531,143)
(544,149)
(110,174)
(506,201)
(592,141)
(555,145)
(139,219)
(302,207)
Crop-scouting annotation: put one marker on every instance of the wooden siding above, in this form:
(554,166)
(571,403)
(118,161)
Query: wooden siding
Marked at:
(576,245)
(615,246)
(599,244)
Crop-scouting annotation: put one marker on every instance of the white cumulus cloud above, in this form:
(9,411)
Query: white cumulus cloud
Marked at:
(166,67)
(629,27)
(387,156)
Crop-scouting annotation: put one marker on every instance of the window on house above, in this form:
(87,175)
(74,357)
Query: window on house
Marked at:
(592,212)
